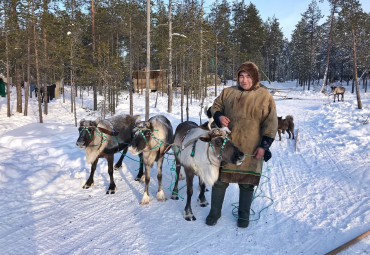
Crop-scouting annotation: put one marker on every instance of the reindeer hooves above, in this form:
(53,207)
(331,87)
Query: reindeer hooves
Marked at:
(117,167)
(111,190)
(175,197)
(203,203)
(189,217)
(140,178)
(145,200)
(161,196)
(86,186)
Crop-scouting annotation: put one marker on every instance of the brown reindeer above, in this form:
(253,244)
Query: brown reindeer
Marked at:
(338,91)
(102,139)
(286,124)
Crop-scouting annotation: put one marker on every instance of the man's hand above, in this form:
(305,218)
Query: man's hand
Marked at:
(259,153)
(224,121)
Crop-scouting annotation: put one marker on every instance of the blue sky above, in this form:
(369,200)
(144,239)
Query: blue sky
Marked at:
(288,12)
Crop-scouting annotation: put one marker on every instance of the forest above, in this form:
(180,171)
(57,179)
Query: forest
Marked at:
(98,46)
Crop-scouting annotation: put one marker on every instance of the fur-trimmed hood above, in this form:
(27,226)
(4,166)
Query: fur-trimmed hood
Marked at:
(252,70)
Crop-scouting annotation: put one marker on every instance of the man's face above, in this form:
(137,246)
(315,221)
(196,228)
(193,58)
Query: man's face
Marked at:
(245,80)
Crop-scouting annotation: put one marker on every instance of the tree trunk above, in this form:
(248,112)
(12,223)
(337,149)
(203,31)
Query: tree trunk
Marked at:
(170,56)
(329,46)
(216,69)
(37,62)
(45,69)
(95,93)
(359,104)
(201,48)
(27,86)
(182,92)
(147,59)
(131,87)
(71,74)
(18,87)
(7,64)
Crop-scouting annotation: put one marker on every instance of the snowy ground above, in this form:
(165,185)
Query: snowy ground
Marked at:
(319,192)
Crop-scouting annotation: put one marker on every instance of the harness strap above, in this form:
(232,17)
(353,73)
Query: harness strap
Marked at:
(193,149)
(209,159)
(223,145)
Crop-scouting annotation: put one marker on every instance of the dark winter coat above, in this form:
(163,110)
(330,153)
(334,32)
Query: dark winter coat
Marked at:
(2,87)
(252,115)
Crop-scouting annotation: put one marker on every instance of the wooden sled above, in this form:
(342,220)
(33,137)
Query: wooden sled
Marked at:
(280,93)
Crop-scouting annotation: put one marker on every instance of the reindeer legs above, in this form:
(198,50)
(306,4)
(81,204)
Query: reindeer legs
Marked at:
(141,169)
(112,186)
(90,182)
(175,190)
(160,193)
(202,201)
(119,162)
(188,213)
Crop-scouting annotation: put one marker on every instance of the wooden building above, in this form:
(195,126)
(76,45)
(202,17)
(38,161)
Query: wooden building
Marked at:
(157,80)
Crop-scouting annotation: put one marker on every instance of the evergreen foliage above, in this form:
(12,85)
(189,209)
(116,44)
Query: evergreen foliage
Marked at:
(232,33)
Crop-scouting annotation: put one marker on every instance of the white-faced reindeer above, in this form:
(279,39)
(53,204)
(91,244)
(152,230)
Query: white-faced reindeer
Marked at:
(201,152)
(102,139)
(151,138)
(338,91)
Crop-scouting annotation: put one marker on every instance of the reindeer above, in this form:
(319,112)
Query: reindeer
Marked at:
(338,91)
(151,138)
(286,124)
(103,138)
(201,152)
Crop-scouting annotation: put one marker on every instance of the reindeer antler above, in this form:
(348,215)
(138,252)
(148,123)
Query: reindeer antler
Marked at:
(219,131)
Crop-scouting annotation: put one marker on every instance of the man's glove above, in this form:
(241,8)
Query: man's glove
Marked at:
(216,118)
(265,144)
(267,155)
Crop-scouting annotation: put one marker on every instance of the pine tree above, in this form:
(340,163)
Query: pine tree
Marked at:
(272,48)
(312,17)
(351,11)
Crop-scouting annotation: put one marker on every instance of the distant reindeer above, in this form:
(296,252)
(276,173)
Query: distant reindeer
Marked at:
(338,91)
(286,124)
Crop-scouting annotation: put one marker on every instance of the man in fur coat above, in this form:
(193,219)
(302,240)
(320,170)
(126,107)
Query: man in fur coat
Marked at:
(249,111)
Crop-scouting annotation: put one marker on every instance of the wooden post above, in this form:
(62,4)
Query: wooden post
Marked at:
(349,243)
(296,141)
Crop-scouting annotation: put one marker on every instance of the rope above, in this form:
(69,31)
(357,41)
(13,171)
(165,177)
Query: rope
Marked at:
(173,170)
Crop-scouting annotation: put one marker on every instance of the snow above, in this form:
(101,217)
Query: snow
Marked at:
(319,192)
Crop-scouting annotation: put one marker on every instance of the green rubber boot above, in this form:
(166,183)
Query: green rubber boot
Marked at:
(217,198)
(245,201)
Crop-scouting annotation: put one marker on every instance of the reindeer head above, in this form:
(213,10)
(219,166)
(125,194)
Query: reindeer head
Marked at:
(90,129)
(141,137)
(87,130)
(222,146)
